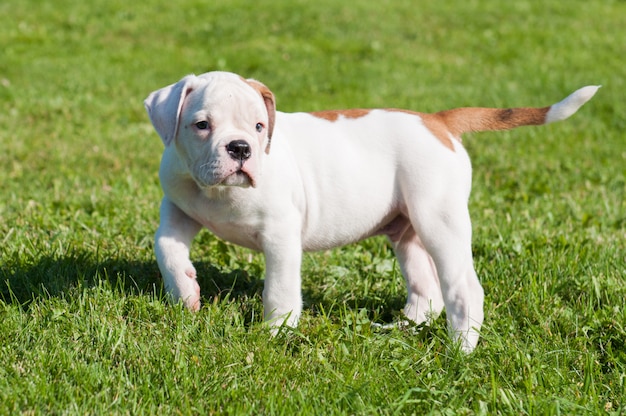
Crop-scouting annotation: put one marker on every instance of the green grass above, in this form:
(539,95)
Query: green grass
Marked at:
(84,327)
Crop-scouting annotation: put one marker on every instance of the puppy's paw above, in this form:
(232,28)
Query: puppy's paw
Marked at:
(192,301)
(183,287)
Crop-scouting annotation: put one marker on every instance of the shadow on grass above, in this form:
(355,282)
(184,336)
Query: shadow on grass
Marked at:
(381,308)
(23,281)
(58,275)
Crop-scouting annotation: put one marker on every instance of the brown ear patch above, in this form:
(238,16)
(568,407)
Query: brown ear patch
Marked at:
(270,104)
(268,99)
(333,115)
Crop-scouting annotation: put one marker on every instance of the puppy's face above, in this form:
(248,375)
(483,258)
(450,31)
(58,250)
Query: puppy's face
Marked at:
(220,125)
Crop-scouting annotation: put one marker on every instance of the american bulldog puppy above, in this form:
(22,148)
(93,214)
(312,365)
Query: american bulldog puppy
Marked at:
(281,183)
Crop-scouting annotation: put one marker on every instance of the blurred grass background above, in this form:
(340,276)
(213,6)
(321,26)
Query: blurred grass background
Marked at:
(83,325)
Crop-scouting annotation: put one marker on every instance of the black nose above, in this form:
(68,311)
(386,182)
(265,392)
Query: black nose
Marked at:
(239,150)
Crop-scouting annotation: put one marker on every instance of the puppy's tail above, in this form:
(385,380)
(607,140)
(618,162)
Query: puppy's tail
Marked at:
(463,120)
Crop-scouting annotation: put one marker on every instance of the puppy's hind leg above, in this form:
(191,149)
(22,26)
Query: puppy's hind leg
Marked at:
(446,233)
(424,301)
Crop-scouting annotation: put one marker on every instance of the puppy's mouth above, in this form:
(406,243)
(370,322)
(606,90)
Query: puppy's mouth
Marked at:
(239,178)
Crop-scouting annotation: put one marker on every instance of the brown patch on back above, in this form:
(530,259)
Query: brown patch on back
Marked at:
(333,115)
(448,125)
(432,122)
(435,124)
(457,121)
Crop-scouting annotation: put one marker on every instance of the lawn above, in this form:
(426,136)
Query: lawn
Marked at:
(84,325)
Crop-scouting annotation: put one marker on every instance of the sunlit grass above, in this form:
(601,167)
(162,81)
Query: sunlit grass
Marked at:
(84,327)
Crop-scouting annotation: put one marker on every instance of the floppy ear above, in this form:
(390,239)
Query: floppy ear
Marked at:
(164,107)
(270,104)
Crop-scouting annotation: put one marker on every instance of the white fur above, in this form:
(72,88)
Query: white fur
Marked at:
(571,104)
(323,184)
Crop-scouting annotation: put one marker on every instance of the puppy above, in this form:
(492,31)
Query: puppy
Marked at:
(282,183)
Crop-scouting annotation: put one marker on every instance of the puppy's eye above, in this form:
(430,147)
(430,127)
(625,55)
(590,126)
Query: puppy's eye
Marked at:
(202,125)
(259,127)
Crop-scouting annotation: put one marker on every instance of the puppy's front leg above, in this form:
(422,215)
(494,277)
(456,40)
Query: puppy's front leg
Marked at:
(282,297)
(172,242)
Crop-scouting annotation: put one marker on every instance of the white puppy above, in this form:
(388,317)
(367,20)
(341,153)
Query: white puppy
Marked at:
(282,183)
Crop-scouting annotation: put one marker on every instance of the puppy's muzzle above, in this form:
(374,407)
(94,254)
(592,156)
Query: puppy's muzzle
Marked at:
(239,150)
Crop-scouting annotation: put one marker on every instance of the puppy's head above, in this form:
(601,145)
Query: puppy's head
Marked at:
(220,124)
